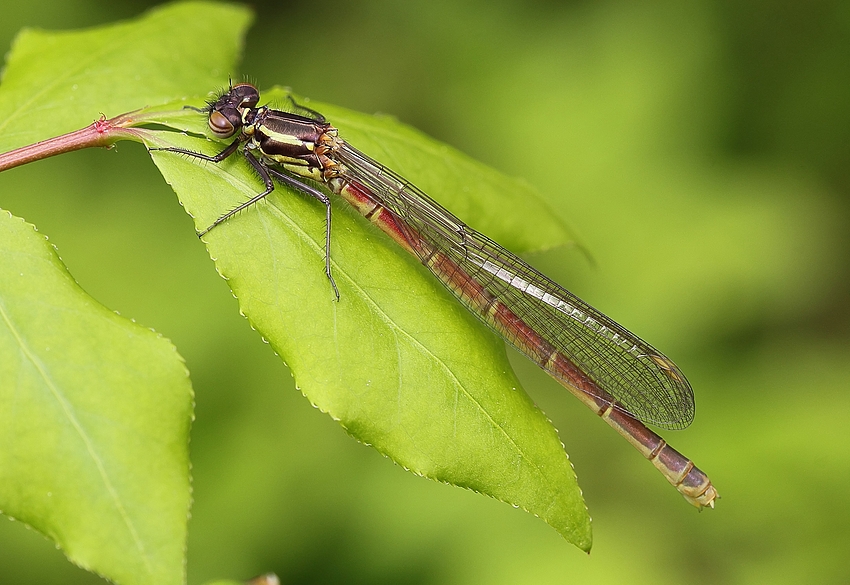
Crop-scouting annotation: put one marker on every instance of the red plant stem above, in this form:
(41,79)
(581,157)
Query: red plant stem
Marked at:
(101,133)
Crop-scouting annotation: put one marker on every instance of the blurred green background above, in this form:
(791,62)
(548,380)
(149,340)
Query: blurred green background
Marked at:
(701,152)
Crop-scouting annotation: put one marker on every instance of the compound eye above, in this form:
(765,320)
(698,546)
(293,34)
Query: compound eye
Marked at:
(221,126)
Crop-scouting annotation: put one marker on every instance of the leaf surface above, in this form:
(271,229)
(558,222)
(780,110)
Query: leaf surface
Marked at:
(95,410)
(397,361)
(94,420)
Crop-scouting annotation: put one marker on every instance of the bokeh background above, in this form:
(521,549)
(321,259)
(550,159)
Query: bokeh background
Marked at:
(700,150)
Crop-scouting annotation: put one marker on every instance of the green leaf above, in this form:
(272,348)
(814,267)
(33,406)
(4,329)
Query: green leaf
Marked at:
(95,411)
(94,421)
(56,82)
(397,361)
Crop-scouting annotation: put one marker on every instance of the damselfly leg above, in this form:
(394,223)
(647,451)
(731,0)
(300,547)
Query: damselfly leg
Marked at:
(266,174)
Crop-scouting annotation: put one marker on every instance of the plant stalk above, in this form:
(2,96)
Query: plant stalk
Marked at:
(101,133)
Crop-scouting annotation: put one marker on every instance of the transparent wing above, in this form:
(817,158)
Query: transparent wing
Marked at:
(639,379)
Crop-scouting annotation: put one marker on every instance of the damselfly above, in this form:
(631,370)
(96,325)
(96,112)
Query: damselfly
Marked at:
(618,375)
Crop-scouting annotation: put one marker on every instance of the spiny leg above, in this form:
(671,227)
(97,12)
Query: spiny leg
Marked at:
(315,193)
(313,113)
(264,174)
(216,158)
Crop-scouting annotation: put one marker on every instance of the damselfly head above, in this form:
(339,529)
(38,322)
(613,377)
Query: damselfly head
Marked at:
(226,113)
